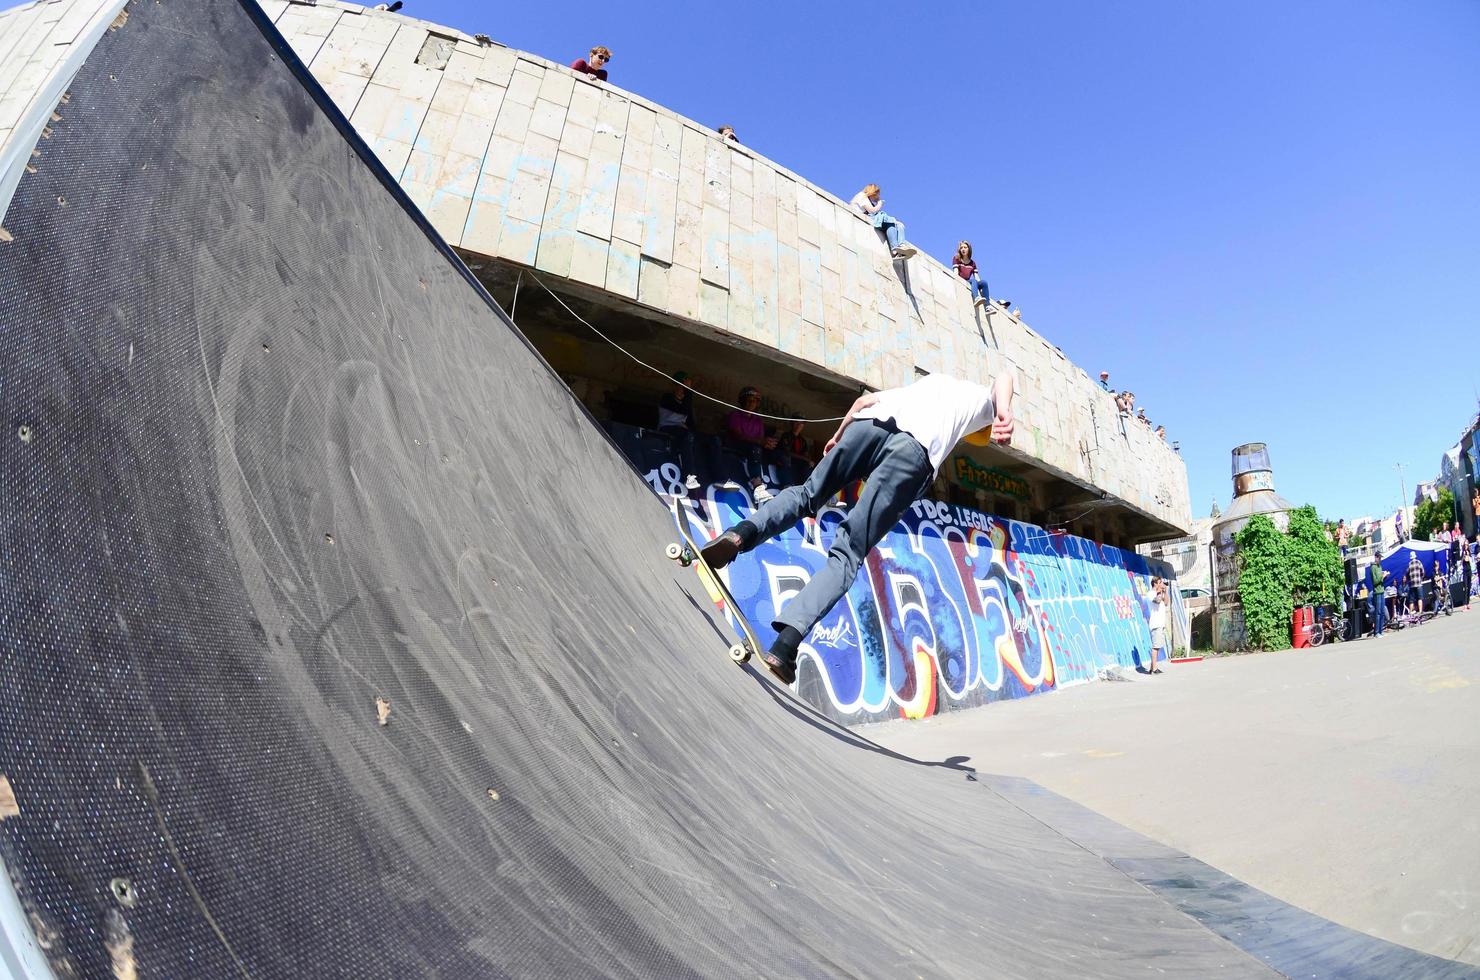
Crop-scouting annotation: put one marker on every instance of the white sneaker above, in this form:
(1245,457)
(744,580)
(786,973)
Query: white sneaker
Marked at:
(904,250)
(692,483)
(762,493)
(980,302)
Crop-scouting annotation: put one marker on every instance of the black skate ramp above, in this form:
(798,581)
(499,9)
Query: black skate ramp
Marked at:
(338,641)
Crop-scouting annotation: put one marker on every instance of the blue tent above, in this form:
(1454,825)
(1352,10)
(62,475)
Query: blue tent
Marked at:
(1428,552)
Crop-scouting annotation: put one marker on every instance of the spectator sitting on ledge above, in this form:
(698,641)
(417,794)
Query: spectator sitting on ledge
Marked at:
(599,57)
(966,268)
(1141,417)
(867,203)
(1105,382)
(727,133)
(1161,433)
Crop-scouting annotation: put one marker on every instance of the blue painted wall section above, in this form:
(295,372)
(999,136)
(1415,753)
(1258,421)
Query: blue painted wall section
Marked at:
(954,608)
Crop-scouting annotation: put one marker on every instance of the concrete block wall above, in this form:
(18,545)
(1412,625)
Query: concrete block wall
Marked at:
(34,40)
(515,157)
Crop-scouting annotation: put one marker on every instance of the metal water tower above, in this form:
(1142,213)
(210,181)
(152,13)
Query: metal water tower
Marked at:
(1253,493)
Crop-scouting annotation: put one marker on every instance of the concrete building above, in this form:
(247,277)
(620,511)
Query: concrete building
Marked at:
(584,207)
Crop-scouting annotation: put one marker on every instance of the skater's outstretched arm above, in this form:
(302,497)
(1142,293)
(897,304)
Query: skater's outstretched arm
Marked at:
(1002,425)
(859,404)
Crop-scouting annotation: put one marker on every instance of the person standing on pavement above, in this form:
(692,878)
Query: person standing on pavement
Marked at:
(1158,621)
(895,440)
(1414,595)
(1377,583)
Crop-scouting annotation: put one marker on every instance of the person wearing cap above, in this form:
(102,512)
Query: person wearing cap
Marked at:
(676,421)
(1105,382)
(895,441)
(1377,576)
(745,433)
(1414,594)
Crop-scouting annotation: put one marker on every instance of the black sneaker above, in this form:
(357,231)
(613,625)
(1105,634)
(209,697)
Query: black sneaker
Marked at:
(723,549)
(785,670)
(782,657)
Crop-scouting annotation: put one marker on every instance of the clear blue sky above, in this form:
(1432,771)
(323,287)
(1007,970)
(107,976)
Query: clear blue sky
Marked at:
(1252,214)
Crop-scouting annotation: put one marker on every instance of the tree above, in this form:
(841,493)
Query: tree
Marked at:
(1431,515)
(1314,560)
(1264,583)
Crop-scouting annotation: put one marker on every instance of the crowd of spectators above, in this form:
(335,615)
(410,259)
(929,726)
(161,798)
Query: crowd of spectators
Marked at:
(1125,404)
(768,456)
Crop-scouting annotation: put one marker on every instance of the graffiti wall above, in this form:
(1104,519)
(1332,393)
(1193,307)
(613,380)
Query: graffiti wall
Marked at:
(954,608)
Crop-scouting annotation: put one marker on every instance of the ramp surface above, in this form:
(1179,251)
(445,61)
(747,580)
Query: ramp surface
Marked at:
(303,674)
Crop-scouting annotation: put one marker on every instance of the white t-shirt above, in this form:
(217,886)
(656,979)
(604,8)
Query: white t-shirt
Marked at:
(861,204)
(937,410)
(1158,614)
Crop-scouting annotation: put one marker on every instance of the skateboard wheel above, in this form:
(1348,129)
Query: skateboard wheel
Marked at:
(739,653)
(674,551)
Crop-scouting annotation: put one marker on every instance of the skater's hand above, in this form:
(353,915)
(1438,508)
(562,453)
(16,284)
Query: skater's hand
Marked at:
(1002,427)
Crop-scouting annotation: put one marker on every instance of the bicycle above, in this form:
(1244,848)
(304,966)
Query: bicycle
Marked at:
(1327,627)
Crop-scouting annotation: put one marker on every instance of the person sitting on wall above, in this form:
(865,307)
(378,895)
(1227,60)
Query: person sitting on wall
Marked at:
(1161,433)
(745,433)
(1141,417)
(594,64)
(895,441)
(966,268)
(1105,382)
(676,420)
(868,203)
(727,133)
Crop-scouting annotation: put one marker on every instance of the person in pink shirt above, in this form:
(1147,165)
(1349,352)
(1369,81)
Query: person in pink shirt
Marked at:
(745,433)
(594,64)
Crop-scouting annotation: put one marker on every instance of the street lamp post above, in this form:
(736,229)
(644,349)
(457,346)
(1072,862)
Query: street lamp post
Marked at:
(1402,496)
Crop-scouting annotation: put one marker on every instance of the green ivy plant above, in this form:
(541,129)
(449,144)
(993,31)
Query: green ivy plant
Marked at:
(1264,583)
(1314,560)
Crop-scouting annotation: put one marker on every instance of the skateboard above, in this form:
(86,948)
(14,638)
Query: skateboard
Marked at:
(686,553)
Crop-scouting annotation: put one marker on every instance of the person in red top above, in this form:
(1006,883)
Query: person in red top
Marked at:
(794,450)
(599,57)
(966,269)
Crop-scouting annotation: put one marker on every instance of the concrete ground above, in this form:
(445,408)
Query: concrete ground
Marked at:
(1344,780)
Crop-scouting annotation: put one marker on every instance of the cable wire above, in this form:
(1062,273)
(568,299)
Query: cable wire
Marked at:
(660,371)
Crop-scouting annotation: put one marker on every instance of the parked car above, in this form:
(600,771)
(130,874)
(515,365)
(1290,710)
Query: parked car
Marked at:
(1196,593)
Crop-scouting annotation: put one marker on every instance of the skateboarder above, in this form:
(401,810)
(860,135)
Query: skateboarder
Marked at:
(896,440)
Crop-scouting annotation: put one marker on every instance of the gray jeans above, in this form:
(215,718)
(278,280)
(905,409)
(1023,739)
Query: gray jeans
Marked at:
(897,471)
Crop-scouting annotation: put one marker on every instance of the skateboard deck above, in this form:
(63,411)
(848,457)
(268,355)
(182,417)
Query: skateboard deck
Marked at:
(686,552)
